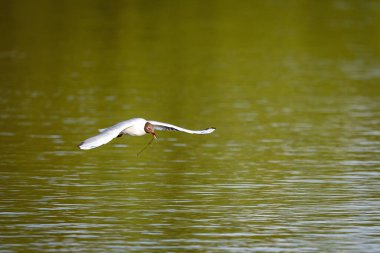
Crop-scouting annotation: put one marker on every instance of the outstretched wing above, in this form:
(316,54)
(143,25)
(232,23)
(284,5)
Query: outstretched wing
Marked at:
(168,127)
(105,136)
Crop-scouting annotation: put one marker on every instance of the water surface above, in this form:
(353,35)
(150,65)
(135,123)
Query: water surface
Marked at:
(292,88)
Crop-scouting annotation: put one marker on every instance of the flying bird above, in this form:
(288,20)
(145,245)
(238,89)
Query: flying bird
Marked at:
(135,127)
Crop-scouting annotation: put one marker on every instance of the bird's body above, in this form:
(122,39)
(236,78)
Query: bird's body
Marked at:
(134,127)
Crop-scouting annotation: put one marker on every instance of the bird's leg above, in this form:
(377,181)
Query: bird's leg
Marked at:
(150,142)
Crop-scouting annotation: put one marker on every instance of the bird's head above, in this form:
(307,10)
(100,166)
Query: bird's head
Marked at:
(149,129)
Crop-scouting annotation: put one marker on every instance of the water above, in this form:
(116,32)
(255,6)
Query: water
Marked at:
(292,88)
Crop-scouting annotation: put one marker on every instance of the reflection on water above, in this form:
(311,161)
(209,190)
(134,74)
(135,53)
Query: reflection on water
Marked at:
(292,167)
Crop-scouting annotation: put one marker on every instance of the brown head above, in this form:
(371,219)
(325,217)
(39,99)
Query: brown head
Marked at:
(149,129)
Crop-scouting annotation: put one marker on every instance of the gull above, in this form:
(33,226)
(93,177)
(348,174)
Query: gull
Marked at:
(134,127)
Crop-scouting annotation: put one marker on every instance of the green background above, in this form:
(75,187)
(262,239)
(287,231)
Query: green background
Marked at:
(292,88)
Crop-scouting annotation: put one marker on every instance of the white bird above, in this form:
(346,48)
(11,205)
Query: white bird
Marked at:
(134,127)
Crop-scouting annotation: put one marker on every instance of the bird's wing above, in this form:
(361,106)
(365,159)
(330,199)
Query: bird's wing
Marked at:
(105,136)
(168,127)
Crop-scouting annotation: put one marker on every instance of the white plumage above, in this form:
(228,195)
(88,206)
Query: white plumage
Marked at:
(134,127)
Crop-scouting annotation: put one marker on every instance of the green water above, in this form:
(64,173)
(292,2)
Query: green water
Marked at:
(292,87)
